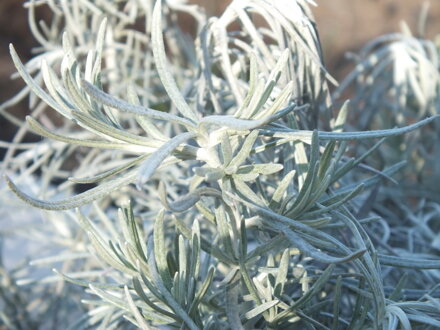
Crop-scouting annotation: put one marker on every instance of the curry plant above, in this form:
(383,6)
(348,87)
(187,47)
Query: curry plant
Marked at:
(397,81)
(206,179)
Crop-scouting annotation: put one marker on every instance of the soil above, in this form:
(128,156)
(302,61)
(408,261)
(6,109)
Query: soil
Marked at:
(346,25)
(14,29)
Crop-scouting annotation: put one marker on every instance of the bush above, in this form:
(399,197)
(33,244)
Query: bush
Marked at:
(210,182)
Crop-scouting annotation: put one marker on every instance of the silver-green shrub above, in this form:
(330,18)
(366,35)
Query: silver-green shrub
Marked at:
(219,191)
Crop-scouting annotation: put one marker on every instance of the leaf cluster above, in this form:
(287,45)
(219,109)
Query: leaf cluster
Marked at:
(212,183)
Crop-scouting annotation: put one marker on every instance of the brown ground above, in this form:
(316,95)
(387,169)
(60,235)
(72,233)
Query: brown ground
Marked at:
(13,29)
(345,25)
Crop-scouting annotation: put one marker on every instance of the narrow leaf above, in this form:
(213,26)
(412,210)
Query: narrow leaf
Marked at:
(162,65)
(160,250)
(78,200)
(148,168)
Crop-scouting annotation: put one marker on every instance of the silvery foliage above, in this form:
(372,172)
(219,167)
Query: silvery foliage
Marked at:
(222,194)
(397,81)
